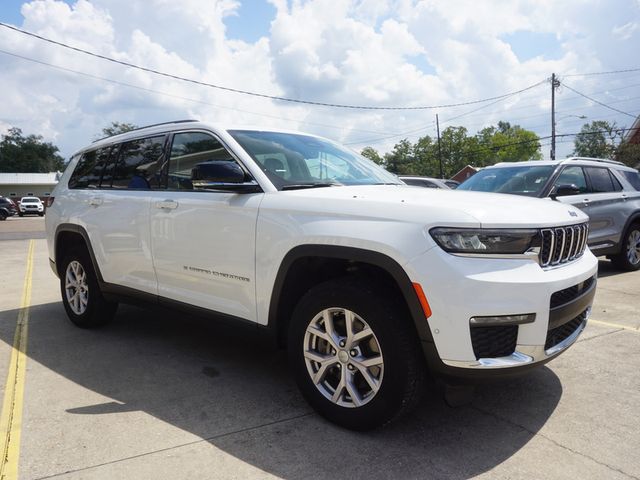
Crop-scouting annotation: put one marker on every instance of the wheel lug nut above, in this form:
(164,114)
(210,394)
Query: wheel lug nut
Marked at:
(342,344)
(353,352)
(339,366)
(350,367)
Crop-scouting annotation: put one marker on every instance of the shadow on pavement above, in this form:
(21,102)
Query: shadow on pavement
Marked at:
(221,382)
(606,268)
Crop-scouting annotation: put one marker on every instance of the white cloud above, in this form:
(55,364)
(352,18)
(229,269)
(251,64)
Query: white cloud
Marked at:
(624,32)
(339,51)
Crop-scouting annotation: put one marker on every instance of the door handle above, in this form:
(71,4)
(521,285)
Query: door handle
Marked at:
(95,201)
(167,204)
(586,201)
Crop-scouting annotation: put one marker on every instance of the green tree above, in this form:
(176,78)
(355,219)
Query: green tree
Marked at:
(373,155)
(117,127)
(30,154)
(597,139)
(399,159)
(629,154)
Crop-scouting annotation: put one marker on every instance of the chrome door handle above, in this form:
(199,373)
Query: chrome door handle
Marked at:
(167,204)
(585,201)
(95,201)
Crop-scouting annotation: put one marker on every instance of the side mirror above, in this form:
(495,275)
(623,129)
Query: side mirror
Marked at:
(564,190)
(217,171)
(222,175)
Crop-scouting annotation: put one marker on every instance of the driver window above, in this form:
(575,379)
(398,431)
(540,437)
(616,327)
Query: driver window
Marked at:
(188,150)
(572,176)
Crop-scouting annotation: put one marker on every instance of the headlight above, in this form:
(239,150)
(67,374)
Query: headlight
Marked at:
(486,241)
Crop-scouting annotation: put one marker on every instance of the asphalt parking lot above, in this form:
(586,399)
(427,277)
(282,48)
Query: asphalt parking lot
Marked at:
(163,395)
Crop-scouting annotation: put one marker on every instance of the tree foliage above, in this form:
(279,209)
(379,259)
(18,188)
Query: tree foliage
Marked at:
(117,127)
(597,139)
(504,143)
(602,139)
(28,154)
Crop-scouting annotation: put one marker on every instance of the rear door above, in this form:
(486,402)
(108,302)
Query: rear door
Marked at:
(118,223)
(605,208)
(203,241)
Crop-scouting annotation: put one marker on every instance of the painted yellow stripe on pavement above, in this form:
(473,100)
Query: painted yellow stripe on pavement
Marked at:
(615,325)
(11,417)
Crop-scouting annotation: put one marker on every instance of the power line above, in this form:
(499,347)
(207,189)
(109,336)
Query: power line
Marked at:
(598,102)
(627,70)
(180,97)
(256,94)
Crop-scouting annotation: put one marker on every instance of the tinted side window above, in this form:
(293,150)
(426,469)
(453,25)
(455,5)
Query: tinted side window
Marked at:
(139,164)
(572,176)
(188,150)
(600,180)
(633,178)
(89,169)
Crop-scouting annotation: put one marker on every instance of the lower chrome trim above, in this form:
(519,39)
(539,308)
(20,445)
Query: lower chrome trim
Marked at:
(524,354)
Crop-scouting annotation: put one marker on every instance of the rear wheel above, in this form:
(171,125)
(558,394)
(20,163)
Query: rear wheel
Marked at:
(629,257)
(3,215)
(81,295)
(355,358)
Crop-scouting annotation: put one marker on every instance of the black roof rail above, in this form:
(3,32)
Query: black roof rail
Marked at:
(147,126)
(603,160)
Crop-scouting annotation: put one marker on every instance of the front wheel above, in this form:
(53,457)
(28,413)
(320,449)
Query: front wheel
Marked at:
(355,357)
(629,258)
(81,295)
(3,215)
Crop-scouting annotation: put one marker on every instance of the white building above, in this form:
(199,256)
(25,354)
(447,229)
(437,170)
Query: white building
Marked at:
(17,185)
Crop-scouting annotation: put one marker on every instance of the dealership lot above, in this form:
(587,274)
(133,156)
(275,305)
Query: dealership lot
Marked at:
(162,395)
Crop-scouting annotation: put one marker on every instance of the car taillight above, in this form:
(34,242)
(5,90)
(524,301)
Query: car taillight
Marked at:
(50,201)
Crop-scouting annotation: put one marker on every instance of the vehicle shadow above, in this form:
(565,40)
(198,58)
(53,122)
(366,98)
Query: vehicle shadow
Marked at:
(606,268)
(231,388)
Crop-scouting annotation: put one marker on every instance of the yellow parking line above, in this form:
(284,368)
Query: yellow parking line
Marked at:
(11,417)
(614,325)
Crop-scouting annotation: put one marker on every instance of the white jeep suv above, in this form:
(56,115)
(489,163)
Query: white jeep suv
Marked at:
(368,282)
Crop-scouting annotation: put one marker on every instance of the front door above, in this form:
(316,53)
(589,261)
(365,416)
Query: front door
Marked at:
(203,242)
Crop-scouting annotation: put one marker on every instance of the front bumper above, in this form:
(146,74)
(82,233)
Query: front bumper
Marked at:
(464,288)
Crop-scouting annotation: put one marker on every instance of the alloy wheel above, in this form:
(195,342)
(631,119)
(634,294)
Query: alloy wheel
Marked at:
(343,357)
(76,287)
(633,247)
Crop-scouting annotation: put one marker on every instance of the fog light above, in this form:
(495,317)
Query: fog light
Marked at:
(502,320)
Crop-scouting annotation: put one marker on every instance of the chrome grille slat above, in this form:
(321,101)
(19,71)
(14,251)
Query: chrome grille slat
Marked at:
(562,244)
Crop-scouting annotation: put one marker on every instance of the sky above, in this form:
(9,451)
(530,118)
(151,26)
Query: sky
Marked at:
(371,53)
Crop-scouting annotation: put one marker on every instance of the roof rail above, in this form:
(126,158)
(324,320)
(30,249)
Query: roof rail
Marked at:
(603,160)
(146,126)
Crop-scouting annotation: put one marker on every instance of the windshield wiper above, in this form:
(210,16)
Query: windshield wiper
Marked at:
(297,186)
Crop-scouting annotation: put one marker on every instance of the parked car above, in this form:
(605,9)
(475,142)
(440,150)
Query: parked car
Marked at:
(7,208)
(424,182)
(453,184)
(606,190)
(31,206)
(366,281)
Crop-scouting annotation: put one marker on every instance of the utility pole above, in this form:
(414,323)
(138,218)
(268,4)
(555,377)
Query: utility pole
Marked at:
(555,83)
(439,148)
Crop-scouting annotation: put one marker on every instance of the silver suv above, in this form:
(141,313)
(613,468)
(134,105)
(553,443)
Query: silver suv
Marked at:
(606,190)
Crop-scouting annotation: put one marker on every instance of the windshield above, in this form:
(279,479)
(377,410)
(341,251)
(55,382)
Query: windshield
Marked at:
(524,180)
(30,200)
(301,161)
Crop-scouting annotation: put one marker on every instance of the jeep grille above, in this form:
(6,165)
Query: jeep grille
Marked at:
(563,244)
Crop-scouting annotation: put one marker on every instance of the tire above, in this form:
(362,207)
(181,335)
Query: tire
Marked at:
(394,361)
(21,214)
(3,215)
(87,309)
(40,214)
(629,258)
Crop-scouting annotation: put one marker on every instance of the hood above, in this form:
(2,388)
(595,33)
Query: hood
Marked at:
(433,206)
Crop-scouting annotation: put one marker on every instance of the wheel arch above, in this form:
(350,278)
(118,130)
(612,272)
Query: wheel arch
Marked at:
(69,235)
(332,261)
